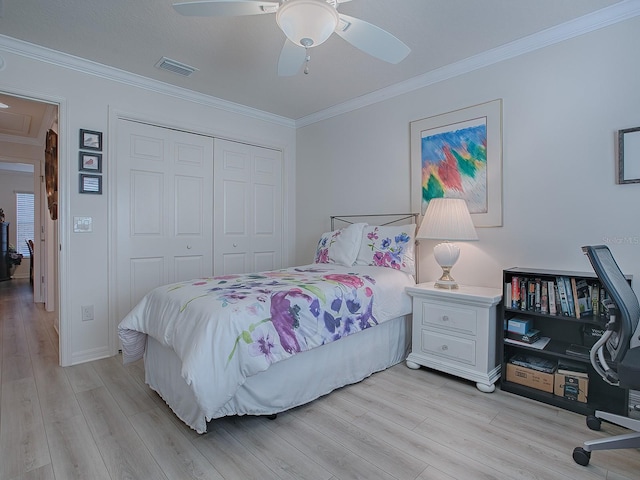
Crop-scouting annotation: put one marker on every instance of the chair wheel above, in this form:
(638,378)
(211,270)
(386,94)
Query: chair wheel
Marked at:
(593,422)
(581,456)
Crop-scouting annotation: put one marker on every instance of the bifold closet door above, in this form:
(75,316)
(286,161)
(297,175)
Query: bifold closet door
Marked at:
(248,208)
(164,198)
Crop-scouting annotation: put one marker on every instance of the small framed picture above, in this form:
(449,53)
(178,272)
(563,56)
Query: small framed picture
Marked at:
(90,140)
(629,155)
(91,184)
(90,162)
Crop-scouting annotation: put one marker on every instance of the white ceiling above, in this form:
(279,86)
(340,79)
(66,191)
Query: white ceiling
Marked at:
(237,57)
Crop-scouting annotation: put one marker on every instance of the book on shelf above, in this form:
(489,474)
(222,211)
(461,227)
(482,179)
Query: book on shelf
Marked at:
(558,306)
(551,291)
(564,302)
(531,295)
(603,298)
(574,294)
(515,292)
(570,300)
(537,295)
(537,345)
(584,305)
(544,297)
(595,298)
(506,296)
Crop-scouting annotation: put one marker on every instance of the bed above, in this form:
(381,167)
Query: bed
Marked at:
(262,343)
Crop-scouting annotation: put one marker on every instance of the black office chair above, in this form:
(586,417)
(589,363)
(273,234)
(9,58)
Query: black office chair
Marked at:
(622,343)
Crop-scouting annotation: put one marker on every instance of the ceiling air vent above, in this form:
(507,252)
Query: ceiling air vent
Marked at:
(176,67)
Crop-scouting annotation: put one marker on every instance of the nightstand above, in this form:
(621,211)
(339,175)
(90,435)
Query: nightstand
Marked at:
(455,331)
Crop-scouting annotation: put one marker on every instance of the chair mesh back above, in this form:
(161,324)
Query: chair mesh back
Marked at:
(619,290)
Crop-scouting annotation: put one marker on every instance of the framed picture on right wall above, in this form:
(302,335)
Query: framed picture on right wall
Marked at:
(629,155)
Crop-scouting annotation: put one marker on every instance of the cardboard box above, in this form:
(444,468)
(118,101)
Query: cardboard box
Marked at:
(530,378)
(572,386)
(519,325)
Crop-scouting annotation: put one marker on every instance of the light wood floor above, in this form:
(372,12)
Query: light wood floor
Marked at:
(100,421)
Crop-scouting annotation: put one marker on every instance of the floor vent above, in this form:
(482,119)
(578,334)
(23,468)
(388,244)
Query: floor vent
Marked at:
(176,67)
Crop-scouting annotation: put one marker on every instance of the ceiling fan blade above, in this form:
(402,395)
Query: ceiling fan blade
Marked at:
(224,8)
(292,57)
(371,39)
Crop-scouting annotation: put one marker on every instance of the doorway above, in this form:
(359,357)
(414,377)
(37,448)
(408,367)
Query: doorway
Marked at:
(28,128)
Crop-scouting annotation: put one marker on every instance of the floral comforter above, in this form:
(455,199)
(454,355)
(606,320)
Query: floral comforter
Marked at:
(225,329)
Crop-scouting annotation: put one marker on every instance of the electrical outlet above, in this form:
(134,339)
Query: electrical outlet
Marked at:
(87,313)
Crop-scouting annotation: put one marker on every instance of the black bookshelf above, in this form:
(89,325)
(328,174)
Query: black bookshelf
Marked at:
(564,330)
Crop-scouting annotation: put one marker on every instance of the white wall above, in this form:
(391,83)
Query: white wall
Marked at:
(10,183)
(562,107)
(91,102)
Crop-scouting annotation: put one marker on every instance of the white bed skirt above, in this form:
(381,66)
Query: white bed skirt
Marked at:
(287,384)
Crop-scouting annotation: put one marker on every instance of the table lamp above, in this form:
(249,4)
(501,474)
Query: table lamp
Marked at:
(447,219)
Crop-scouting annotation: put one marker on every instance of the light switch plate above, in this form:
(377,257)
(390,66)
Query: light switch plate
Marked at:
(82,224)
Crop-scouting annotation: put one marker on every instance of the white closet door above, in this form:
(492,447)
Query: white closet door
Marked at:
(248,208)
(164,203)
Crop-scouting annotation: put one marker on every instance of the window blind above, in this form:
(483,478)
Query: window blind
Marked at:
(24,220)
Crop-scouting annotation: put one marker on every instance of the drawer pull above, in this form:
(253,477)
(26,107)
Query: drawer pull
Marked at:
(444,348)
(445,318)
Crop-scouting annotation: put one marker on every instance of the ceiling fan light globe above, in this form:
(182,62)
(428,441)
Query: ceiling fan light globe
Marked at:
(307,23)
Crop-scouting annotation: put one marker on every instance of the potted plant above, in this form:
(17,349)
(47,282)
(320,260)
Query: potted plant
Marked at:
(13,259)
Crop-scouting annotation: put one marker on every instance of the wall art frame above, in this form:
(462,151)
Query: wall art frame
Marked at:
(459,154)
(91,184)
(629,155)
(90,162)
(90,140)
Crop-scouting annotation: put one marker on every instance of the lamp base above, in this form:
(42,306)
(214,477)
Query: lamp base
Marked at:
(446,281)
(446,254)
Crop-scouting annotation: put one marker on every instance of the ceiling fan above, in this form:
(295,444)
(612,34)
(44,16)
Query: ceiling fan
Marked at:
(306,24)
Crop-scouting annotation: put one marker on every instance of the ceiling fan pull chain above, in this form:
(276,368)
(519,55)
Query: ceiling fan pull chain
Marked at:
(306,61)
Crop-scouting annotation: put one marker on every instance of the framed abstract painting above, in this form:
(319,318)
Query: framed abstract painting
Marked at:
(459,155)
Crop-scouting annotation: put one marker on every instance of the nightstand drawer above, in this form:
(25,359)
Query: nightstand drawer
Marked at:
(458,349)
(463,320)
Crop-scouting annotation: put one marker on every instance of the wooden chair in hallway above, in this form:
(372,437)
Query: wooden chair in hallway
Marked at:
(30,245)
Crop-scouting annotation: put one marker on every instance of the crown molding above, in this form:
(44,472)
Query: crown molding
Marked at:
(71,62)
(587,23)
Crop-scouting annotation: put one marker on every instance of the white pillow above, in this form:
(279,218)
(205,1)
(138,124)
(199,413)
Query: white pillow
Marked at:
(340,246)
(388,246)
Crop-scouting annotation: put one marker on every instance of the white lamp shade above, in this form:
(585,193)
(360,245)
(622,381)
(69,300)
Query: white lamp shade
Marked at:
(307,23)
(447,219)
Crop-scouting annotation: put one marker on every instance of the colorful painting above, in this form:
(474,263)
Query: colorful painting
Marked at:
(454,164)
(459,155)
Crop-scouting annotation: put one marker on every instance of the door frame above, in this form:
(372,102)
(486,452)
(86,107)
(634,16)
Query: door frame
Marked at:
(61,280)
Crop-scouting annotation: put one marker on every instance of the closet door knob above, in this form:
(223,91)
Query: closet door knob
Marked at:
(188,247)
